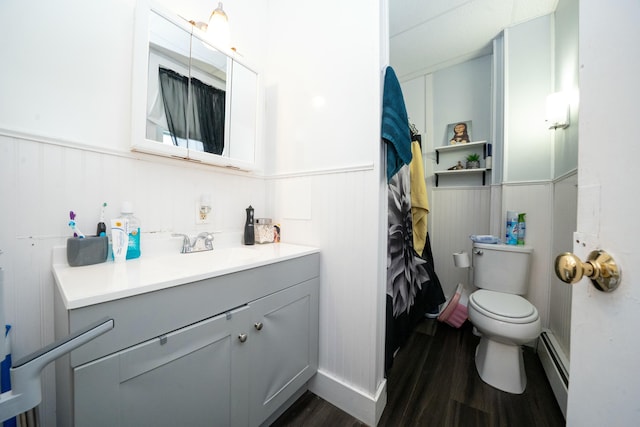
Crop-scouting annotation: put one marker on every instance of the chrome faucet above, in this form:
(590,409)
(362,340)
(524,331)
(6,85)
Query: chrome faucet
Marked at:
(187,247)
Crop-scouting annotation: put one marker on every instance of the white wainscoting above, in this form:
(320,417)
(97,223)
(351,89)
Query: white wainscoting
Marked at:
(42,181)
(535,199)
(565,199)
(456,213)
(341,216)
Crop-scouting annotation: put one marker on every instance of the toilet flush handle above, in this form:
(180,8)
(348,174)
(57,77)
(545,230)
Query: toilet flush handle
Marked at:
(477,251)
(600,267)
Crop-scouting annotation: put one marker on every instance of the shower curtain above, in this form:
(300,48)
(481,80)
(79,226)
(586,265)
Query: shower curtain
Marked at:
(412,285)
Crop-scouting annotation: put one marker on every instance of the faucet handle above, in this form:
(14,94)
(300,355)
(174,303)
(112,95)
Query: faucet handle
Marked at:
(186,242)
(208,239)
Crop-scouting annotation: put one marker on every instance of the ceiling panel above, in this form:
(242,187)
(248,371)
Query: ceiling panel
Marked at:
(430,35)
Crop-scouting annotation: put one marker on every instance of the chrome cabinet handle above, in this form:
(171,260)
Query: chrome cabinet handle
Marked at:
(600,267)
(242,337)
(258,326)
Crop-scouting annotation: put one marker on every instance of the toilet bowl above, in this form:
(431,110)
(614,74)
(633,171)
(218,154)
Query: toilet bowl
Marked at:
(505,322)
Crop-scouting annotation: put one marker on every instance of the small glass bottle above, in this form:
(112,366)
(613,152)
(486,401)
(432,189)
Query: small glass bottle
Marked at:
(133,229)
(264,230)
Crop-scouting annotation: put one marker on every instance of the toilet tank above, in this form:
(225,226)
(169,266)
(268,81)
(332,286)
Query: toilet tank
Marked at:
(502,268)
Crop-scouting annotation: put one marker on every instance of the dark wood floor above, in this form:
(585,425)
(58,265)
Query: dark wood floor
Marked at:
(434,382)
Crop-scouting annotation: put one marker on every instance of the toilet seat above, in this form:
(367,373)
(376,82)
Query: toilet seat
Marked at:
(504,307)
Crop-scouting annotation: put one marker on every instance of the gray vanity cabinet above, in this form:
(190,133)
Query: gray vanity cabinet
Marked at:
(194,376)
(225,351)
(284,347)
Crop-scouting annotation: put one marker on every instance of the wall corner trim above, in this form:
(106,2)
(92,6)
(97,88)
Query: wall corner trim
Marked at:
(366,407)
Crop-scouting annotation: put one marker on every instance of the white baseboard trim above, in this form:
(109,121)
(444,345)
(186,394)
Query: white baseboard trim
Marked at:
(556,367)
(363,406)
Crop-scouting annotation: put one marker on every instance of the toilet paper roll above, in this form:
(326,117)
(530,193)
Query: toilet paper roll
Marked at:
(461,259)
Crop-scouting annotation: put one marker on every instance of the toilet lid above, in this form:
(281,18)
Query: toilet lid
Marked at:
(502,306)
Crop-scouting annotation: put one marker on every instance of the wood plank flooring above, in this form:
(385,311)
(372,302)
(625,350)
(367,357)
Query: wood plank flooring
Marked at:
(434,382)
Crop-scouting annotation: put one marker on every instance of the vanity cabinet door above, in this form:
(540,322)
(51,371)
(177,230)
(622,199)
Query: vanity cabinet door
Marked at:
(194,376)
(284,347)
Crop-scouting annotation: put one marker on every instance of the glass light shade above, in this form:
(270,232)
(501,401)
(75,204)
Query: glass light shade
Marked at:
(218,29)
(558,110)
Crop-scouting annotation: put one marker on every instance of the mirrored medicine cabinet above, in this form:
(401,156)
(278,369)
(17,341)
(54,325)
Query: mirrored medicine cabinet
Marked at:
(191,99)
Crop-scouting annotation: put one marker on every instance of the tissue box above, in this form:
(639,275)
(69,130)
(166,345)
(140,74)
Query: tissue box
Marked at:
(87,251)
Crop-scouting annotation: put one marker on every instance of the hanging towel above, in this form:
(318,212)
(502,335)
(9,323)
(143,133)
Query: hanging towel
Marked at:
(395,125)
(419,200)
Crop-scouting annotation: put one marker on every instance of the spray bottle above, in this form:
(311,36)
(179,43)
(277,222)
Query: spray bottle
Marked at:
(512,228)
(522,228)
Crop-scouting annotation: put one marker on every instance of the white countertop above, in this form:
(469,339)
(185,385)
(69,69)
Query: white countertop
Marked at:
(94,284)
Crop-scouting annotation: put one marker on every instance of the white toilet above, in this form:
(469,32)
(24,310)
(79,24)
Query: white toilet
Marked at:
(504,319)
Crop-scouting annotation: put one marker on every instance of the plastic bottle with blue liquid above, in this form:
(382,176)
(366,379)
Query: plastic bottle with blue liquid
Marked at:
(512,228)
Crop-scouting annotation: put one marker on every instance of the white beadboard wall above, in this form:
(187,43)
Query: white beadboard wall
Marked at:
(456,213)
(41,182)
(565,199)
(325,179)
(341,218)
(338,211)
(535,199)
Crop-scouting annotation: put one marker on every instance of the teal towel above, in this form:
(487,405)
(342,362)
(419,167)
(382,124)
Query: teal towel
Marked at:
(395,125)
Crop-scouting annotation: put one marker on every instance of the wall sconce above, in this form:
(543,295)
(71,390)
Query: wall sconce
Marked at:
(557,110)
(203,209)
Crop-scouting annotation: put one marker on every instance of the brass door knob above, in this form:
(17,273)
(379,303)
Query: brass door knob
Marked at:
(599,267)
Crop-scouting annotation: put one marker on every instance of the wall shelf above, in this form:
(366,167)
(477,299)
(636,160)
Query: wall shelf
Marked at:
(457,147)
(462,171)
(450,151)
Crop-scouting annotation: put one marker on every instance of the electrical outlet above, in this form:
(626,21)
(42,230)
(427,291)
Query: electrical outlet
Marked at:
(203,214)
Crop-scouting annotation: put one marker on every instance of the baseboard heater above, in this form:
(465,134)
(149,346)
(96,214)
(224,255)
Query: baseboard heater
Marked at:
(556,366)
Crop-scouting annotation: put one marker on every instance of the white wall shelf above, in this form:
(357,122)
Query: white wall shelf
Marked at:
(457,147)
(474,146)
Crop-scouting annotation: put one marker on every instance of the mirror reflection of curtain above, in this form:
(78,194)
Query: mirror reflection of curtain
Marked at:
(207,104)
(174,89)
(207,115)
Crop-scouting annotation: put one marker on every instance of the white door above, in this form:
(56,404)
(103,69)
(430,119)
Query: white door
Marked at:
(605,331)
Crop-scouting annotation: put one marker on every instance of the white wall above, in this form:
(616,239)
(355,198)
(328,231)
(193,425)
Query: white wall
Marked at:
(65,126)
(527,141)
(318,82)
(566,67)
(323,79)
(415,100)
(460,93)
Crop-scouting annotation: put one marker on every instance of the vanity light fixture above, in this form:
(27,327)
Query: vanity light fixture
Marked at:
(558,110)
(218,28)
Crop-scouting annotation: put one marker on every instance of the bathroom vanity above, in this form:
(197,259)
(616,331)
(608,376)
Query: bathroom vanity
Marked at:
(222,338)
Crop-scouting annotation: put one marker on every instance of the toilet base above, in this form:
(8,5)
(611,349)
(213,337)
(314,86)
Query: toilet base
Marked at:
(501,365)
